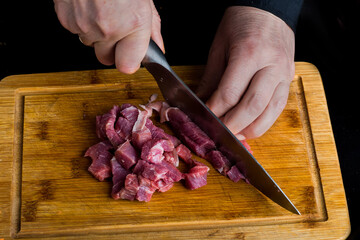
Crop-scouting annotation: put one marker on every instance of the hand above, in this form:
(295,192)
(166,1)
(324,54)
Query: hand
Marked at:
(119,31)
(249,70)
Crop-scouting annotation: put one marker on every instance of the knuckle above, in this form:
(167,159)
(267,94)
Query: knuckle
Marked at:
(156,17)
(140,18)
(280,104)
(256,104)
(249,46)
(230,96)
(104,25)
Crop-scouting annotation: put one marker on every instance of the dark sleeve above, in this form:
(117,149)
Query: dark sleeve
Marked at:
(287,10)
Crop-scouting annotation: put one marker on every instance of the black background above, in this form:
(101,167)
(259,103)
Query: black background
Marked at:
(33,41)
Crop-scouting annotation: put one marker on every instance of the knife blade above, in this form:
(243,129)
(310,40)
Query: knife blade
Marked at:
(178,94)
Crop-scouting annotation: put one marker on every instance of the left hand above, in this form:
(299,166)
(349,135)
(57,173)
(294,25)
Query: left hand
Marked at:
(249,70)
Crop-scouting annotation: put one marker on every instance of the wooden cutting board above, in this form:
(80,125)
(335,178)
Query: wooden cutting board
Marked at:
(47,121)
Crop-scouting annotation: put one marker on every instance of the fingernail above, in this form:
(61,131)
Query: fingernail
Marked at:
(240,137)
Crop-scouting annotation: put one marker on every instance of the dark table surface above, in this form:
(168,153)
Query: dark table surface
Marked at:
(33,41)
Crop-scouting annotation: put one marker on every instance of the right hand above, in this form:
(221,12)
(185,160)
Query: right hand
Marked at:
(119,30)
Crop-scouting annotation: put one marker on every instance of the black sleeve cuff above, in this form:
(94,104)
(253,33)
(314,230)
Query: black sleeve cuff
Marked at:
(287,10)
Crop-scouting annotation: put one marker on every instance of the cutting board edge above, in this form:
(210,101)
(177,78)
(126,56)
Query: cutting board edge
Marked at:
(312,71)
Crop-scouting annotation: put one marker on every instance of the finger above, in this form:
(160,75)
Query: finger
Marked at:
(254,101)
(214,69)
(105,52)
(156,28)
(130,51)
(271,113)
(66,16)
(232,86)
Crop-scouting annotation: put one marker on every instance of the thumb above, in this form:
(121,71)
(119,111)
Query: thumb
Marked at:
(130,51)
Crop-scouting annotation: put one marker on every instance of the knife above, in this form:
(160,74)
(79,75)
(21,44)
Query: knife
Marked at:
(178,94)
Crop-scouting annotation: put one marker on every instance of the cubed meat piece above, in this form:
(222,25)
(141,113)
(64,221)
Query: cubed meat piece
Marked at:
(184,153)
(172,157)
(218,161)
(119,174)
(140,137)
(153,150)
(123,128)
(154,172)
(146,189)
(196,177)
(139,167)
(105,127)
(162,185)
(131,187)
(130,112)
(157,133)
(173,173)
(126,155)
(100,155)
(234,174)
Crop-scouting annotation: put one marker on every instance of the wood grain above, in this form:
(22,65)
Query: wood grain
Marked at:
(48,120)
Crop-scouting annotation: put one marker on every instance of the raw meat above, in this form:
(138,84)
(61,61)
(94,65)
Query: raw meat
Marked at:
(154,149)
(157,132)
(218,161)
(234,174)
(189,132)
(183,152)
(126,155)
(140,137)
(197,176)
(118,178)
(172,157)
(105,126)
(100,155)
(199,143)
(142,158)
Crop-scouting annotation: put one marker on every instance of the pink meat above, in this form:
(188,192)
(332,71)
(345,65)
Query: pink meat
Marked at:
(140,137)
(123,128)
(172,157)
(173,173)
(131,188)
(126,155)
(196,177)
(234,174)
(130,112)
(133,134)
(139,167)
(157,132)
(218,161)
(105,126)
(153,150)
(189,132)
(154,172)
(100,155)
(140,121)
(184,153)
(146,189)
(162,185)
(119,174)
